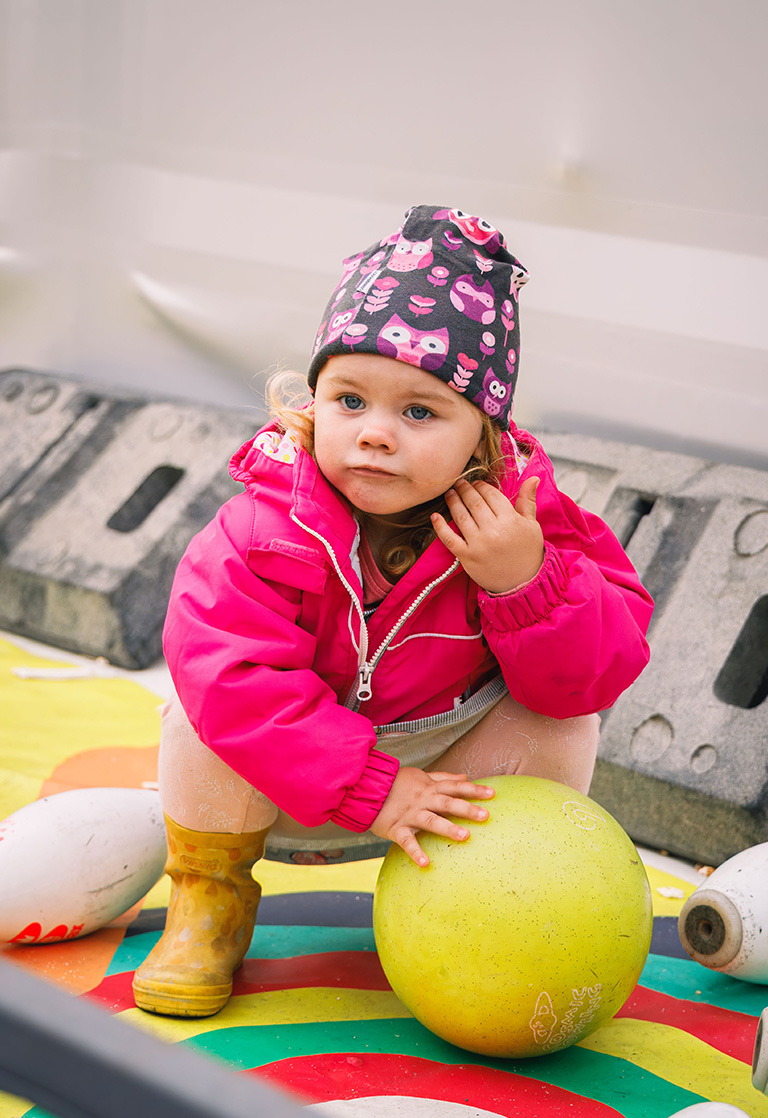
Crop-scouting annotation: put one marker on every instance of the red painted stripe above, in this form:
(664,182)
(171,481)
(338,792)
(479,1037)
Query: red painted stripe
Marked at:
(724,1029)
(357,970)
(114,992)
(341,1075)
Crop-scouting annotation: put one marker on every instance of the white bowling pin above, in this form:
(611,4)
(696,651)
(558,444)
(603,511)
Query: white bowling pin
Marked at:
(760,1055)
(72,862)
(724,923)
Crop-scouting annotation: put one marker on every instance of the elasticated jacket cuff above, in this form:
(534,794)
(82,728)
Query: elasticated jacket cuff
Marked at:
(363,803)
(532,603)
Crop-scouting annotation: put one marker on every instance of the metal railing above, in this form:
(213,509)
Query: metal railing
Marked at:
(74,1060)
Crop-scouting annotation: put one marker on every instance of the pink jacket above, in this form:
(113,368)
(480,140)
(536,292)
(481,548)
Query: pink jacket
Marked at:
(283,679)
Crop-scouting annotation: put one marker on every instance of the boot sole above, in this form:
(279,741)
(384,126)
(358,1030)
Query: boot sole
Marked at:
(176,1000)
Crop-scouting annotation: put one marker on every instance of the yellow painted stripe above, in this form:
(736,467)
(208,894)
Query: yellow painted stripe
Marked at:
(158,896)
(47,721)
(352,877)
(11,1106)
(682,1059)
(277,1007)
(668,906)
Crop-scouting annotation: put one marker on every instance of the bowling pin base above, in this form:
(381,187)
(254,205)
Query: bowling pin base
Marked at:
(722,924)
(760,1055)
(710,928)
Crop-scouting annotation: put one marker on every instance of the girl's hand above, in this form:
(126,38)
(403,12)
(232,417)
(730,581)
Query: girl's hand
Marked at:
(501,545)
(419,801)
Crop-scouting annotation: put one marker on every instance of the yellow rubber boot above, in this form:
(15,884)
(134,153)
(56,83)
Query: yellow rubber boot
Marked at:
(210,922)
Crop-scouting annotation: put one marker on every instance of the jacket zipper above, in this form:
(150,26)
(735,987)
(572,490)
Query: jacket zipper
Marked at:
(362,690)
(365,671)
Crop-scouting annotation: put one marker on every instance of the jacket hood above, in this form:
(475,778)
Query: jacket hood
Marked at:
(298,487)
(246,462)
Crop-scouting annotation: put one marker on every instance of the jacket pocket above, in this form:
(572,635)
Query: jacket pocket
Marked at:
(291,564)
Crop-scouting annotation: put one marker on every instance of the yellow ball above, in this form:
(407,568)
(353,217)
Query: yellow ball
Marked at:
(526,937)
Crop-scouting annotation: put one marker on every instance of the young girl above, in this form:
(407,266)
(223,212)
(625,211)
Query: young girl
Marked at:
(400,603)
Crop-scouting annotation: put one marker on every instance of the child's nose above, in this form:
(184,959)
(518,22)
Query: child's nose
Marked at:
(376,432)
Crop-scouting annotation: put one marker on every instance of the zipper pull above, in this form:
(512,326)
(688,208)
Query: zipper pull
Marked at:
(364,690)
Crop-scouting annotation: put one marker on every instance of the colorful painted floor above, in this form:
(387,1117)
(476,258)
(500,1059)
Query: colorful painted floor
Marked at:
(312,1011)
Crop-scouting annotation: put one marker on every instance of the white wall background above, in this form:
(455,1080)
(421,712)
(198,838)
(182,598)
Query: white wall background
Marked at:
(179,180)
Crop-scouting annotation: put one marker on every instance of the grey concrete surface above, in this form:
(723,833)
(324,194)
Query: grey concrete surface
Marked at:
(683,762)
(93,523)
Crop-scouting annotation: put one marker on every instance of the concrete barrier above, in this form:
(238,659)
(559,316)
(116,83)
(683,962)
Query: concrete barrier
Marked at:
(107,494)
(36,412)
(683,761)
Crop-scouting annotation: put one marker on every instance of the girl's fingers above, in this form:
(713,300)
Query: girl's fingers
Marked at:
(459,785)
(439,825)
(468,510)
(496,501)
(455,499)
(411,847)
(434,825)
(453,778)
(463,810)
(525,504)
(446,534)
(454,799)
(444,803)
(471,497)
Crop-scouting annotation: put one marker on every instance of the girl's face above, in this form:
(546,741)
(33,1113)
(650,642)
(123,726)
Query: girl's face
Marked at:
(390,436)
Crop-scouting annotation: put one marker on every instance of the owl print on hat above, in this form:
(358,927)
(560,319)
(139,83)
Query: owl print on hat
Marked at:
(408,255)
(445,270)
(425,348)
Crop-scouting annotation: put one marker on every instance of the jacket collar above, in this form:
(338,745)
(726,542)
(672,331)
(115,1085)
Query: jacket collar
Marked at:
(315,502)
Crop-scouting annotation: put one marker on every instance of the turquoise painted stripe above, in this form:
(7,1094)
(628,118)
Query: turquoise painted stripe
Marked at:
(682,978)
(270,941)
(632,1091)
(132,951)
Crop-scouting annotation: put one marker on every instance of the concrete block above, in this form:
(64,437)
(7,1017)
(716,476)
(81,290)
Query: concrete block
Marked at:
(36,412)
(683,760)
(92,530)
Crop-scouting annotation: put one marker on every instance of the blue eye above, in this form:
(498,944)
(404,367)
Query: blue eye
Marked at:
(352,403)
(418,412)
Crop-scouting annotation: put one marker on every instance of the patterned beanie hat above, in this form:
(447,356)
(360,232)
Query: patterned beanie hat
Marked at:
(439,293)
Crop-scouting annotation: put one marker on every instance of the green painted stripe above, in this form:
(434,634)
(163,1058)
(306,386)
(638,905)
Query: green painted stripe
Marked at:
(132,951)
(632,1091)
(682,978)
(270,941)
